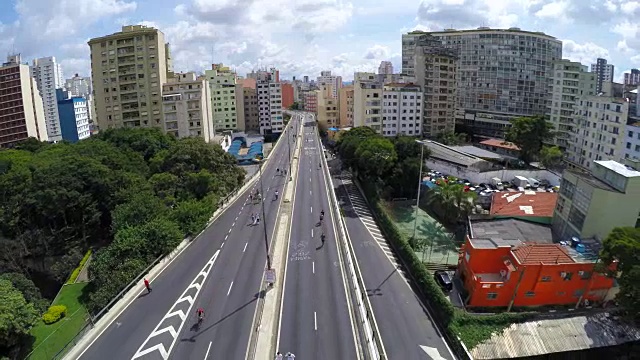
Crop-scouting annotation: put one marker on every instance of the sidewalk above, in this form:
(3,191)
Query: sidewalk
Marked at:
(268,322)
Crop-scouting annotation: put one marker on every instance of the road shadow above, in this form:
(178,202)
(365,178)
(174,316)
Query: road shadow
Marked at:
(378,291)
(256,296)
(143,294)
(320,247)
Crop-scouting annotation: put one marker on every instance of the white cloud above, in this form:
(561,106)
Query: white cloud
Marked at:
(585,53)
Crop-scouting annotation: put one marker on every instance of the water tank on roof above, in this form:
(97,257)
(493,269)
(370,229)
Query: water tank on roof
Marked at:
(483,28)
(580,248)
(575,242)
(514,28)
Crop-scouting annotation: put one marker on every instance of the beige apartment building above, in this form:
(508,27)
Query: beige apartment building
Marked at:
(346,106)
(21,110)
(186,104)
(599,124)
(227,98)
(367,101)
(591,204)
(328,107)
(570,81)
(435,72)
(251,115)
(128,69)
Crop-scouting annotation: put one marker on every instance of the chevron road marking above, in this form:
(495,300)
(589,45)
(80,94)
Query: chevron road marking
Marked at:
(176,310)
(432,352)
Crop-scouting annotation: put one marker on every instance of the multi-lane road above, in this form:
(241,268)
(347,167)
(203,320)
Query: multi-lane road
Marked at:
(316,320)
(220,272)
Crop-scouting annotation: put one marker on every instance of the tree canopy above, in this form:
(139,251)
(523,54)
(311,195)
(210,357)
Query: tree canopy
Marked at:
(529,134)
(623,245)
(551,156)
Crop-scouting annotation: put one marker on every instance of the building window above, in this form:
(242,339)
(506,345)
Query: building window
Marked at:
(529,294)
(545,279)
(492,296)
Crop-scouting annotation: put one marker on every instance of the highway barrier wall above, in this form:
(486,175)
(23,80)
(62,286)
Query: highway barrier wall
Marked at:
(365,311)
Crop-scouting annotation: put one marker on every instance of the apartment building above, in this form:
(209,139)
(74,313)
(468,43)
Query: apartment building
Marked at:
(598,130)
(367,101)
(80,86)
(21,110)
(435,73)
(186,105)
(345,105)
(632,78)
(251,115)
(269,94)
(47,74)
(500,74)
(591,204)
(334,80)
(570,81)
(73,112)
(632,143)
(287,95)
(128,69)
(328,107)
(401,110)
(310,101)
(385,68)
(227,98)
(604,73)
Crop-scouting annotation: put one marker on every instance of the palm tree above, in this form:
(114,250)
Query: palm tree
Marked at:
(452,201)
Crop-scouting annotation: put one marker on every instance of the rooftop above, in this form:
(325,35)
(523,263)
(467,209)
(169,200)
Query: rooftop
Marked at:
(527,203)
(533,254)
(556,335)
(618,168)
(500,143)
(446,153)
(479,152)
(508,232)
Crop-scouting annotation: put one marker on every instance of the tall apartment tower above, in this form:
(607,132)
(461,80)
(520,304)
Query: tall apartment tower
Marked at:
(435,72)
(333,80)
(408,52)
(501,74)
(21,111)
(328,112)
(346,106)
(604,72)
(402,110)
(128,69)
(632,78)
(367,101)
(269,94)
(227,98)
(570,81)
(385,68)
(186,106)
(80,86)
(48,76)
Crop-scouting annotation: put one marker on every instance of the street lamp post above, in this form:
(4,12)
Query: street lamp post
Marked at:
(415,220)
(264,218)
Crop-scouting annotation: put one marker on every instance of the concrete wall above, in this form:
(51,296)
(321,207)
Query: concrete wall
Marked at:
(485,177)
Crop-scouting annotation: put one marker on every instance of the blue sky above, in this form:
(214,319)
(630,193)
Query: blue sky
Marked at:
(303,37)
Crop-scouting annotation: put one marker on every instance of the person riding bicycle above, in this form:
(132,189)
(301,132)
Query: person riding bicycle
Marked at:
(321,214)
(200,313)
(276,194)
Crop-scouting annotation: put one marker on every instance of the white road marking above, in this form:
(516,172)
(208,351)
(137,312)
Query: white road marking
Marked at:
(310,192)
(236,218)
(229,231)
(245,246)
(311,232)
(226,237)
(312,209)
(207,354)
(230,286)
(315,321)
(313,266)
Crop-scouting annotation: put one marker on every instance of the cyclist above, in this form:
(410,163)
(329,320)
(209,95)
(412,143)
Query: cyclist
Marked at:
(321,215)
(276,193)
(322,237)
(277,170)
(200,313)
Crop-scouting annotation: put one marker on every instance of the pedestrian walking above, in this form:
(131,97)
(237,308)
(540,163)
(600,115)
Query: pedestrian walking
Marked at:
(251,197)
(257,219)
(146,285)
(290,356)
(279,356)
(253,219)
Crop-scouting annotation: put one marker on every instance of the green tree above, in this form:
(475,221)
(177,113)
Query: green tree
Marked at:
(529,134)
(375,155)
(402,180)
(28,289)
(145,141)
(451,201)
(407,147)
(622,245)
(140,209)
(295,106)
(451,138)
(193,215)
(550,156)
(350,140)
(17,316)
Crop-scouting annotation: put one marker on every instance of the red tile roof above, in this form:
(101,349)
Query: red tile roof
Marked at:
(527,203)
(500,143)
(532,254)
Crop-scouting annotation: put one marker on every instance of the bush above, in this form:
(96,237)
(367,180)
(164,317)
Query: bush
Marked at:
(55,313)
(76,271)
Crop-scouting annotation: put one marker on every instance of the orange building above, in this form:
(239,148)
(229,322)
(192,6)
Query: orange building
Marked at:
(498,269)
(287,95)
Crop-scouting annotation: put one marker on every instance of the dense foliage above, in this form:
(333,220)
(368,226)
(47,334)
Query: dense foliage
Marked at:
(529,134)
(622,245)
(131,195)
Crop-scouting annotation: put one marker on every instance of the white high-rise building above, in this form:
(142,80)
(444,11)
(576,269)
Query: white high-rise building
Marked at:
(326,78)
(48,76)
(80,86)
(604,72)
(402,110)
(269,95)
(385,68)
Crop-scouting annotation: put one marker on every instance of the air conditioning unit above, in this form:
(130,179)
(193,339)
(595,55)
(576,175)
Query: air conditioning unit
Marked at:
(581,273)
(563,274)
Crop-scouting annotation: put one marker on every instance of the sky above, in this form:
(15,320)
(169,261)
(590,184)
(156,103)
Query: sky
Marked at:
(303,37)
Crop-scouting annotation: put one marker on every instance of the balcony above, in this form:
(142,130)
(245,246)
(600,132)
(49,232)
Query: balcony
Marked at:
(126,60)
(126,50)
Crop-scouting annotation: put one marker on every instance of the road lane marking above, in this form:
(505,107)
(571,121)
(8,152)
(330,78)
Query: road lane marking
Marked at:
(312,209)
(208,349)
(234,223)
(310,192)
(315,321)
(226,237)
(229,291)
(236,218)
(311,232)
(229,231)
(245,246)
(222,245)
(313,266)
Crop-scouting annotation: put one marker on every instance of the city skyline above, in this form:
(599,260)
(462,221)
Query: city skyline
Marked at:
(306,38)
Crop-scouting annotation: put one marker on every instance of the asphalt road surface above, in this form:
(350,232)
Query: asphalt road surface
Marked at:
(220,272)
(315,319)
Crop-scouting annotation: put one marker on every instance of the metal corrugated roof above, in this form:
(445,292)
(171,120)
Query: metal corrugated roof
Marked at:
(556,335)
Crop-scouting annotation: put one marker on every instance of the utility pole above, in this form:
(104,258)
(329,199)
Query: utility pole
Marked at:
(515,291)
(264,218)
(415,221)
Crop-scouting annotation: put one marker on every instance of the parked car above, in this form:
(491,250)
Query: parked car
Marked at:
(444,280)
